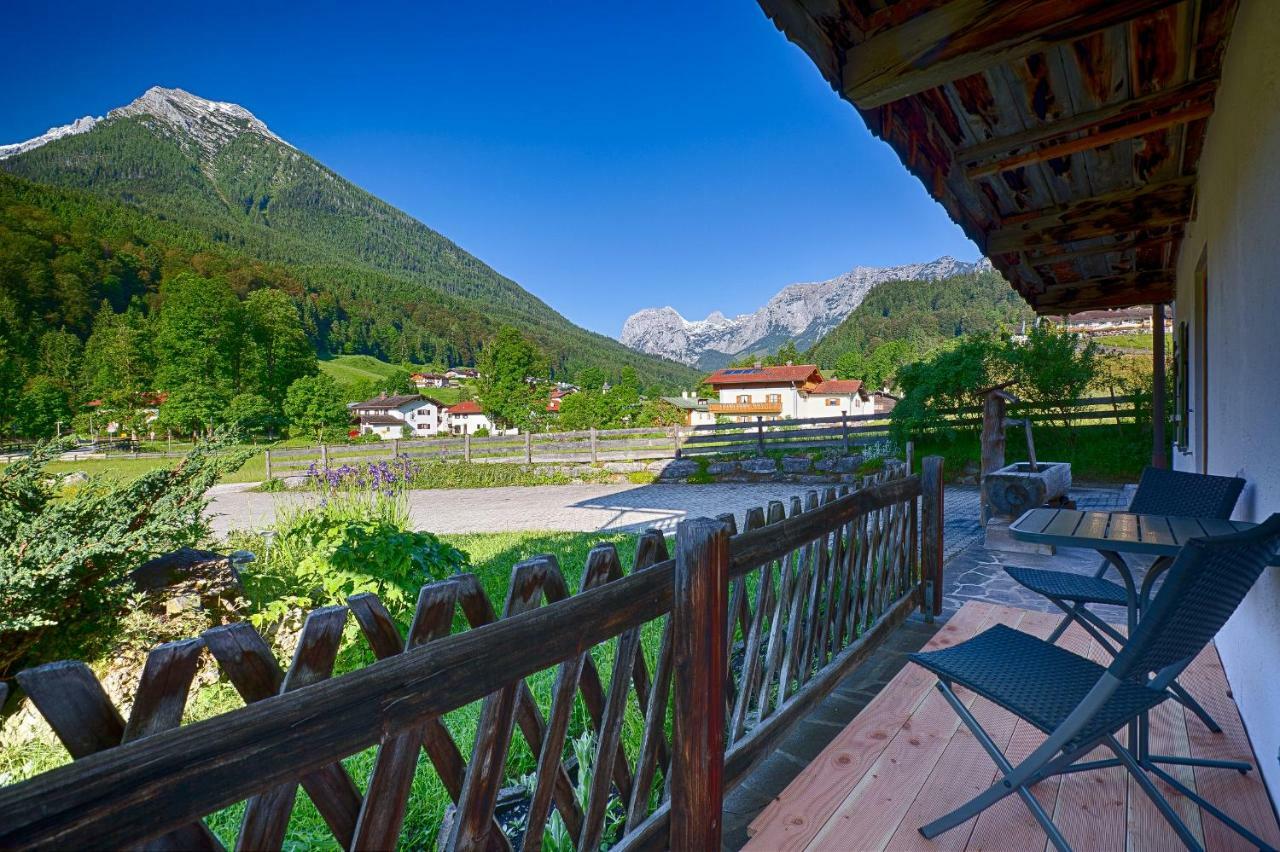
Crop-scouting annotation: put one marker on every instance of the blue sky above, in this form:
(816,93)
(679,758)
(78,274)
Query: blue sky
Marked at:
(607,156)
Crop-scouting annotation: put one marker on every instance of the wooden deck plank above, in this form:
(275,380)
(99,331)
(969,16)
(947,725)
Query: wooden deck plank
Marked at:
(1008,824)
(1148,830)
(953,780)
(1092,807)
(793,819)
(1064,523)
(1243,797)
(1123,528)
(906,760)
(1037,519)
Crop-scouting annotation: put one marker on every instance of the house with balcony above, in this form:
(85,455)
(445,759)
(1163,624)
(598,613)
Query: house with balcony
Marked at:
(784,393)
(696,410)
(407,415)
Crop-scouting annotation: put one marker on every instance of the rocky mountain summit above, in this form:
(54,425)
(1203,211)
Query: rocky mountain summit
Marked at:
(180,115)
(80,125)
(209,124)
(799,312)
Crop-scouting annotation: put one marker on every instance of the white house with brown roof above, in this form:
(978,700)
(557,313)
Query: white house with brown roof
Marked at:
(387,416)
(783,393)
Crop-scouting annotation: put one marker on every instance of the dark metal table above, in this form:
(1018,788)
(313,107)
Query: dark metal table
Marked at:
(1113,534)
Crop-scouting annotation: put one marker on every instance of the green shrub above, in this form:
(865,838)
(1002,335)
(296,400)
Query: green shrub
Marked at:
(271,486)
(642,477)
(62,561)
(347,544)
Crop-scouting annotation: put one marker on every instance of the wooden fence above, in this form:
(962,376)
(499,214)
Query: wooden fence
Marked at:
(756,627)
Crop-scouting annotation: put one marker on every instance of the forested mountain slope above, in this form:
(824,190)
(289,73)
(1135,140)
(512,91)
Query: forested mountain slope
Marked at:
(174,182)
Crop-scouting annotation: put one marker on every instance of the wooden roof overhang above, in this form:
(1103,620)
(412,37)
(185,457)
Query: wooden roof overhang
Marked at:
(1063,136)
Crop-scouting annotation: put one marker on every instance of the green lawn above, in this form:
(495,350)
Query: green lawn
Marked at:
(356,368)
(1126,341)
(127,467)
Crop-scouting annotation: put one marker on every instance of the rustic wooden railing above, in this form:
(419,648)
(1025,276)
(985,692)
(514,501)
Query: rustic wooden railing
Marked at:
(756,627)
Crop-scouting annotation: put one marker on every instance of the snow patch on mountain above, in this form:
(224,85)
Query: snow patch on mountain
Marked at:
(80,125)
(800,312)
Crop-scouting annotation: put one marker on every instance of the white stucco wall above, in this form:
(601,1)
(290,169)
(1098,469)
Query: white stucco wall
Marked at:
(1237,227)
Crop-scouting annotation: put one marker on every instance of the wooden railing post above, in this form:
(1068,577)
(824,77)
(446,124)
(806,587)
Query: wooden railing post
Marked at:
(595,448)
(760,434)
(528,448)
(677,441)
(466,446)
(268,461)
(931,534)
(324,456)
(844,430)
(395,447)
(699,616)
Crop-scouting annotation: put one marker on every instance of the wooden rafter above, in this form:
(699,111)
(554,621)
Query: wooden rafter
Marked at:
(965,37)
(1105,126)
(1154,205)
(1055,253)
(1111,291)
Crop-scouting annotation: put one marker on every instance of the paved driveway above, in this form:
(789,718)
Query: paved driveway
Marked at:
(578,508)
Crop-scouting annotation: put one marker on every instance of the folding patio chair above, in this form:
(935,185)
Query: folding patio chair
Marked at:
(1160,492)
(1080,704)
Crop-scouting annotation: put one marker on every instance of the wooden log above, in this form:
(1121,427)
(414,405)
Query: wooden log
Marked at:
(528,448)
(931,522)
(698,617)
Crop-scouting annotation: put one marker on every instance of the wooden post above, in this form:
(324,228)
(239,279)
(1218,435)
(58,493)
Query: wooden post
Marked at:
(699,616)
(324,455)
(677,437)
(760,434)
(595,450)
(395,447)
(844,430)
(528,448)
(1159,455)
(466,446)
(931,535)
(1031,445)
(267,454)
(911,456)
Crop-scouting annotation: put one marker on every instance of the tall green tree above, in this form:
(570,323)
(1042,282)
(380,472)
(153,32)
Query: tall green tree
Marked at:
(42,408)
(315,406)
(277,351)
(198,347)
(60,357)
(504,389)
(118,360)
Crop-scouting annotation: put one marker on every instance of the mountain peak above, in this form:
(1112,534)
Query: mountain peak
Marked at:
(799,312)
(211,124)
(80,125)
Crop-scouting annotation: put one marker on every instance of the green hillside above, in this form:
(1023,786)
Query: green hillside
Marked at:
(347,369)
(923,314)
(370,279)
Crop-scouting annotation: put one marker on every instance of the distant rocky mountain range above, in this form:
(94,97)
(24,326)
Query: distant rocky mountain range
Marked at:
(799,312)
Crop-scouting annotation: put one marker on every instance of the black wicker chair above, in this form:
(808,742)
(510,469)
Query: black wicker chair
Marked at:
(1160,492)
(1080,704)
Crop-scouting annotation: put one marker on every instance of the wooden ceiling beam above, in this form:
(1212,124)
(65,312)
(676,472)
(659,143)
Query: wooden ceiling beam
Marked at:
(964,37)
(1121,291)
(1155,205)
(1105,126)
(1054,253)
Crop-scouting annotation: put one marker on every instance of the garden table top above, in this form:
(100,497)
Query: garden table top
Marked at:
(1120,532)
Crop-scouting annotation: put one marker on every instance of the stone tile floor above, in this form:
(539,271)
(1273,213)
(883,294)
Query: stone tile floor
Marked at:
(971,573)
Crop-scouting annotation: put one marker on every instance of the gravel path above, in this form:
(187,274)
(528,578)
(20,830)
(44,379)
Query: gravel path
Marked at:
(578,508)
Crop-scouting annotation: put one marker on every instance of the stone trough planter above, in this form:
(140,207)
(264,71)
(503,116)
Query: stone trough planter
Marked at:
(1009,491)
